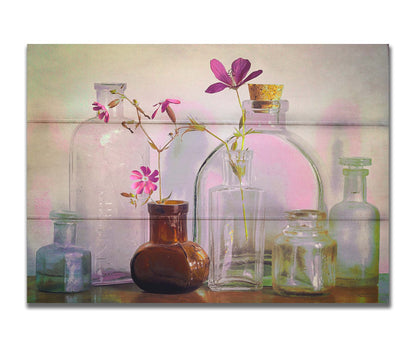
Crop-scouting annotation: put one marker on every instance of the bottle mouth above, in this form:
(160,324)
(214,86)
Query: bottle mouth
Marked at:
(355,162)
(64,215)
(238,154)
(120,87)
(306,215)
(170,207)
(266,106)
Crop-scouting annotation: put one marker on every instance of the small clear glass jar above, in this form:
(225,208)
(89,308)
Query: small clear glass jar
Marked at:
(63,267)
(304,256)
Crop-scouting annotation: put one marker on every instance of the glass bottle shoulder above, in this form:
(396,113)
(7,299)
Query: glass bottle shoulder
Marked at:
(54,248)
(354,210)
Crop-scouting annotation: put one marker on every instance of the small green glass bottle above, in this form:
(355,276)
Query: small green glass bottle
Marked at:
(62,267)
(355,225)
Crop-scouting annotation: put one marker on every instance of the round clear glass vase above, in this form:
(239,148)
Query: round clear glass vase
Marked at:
(102,157)
(283,166)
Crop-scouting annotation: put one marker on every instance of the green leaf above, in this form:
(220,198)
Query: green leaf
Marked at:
(152,145)
(235,169)
(242,121)
(167,198)
(251,131)
(237,133)
(195,125)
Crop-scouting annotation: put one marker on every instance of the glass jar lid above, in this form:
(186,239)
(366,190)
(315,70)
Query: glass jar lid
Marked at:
(355,162)
(65,215)
(120,87)
(307,215)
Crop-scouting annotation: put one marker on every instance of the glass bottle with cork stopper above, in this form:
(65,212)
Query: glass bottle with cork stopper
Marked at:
(283,166)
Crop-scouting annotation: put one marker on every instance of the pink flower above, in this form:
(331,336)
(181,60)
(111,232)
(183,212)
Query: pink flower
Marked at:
(102,111)
(165,105)
(233,79)
(145,180)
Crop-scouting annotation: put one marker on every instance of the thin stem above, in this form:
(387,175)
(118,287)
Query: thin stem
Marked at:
(244,209)
(160,175)
(221,140)
(244,120)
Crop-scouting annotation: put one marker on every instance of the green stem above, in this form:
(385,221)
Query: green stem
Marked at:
(160,175)
(244,120)
(239,178)
(244,210)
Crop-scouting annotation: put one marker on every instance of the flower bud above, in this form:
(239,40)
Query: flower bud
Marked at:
(171,114)
(114,103)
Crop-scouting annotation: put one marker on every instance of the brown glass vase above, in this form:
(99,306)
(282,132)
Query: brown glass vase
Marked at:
(169,263)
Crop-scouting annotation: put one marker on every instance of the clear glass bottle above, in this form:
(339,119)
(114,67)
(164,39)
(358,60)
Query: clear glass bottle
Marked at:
(283,165)
(102,157)
(236,220)
(304,256)
(169,263)
(62,267)
(355,224)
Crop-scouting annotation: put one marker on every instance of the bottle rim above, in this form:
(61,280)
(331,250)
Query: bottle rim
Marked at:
(64,215)
(170,207)
(306,214)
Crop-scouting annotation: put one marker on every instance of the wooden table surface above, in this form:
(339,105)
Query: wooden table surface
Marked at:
(131,294)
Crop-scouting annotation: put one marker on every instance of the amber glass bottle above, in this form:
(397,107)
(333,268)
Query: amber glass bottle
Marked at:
(169,263)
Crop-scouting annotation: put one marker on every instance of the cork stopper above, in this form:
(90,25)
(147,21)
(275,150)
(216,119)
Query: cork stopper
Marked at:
(265,92)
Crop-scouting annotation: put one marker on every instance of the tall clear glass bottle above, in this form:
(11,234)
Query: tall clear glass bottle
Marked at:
(236,220)
(355,225)
(283,165)
(102,157)
(63,267)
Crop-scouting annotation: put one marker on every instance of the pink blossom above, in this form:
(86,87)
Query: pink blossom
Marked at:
(146,180)
(102,111)
(233,79)
(164,105)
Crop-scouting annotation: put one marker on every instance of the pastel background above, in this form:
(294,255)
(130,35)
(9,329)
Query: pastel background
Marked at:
(338,102)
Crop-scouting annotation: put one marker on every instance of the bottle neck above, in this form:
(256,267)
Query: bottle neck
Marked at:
(355,185)
(265,114)
(237,168)
(64,233)
(306,223)
(104,97)
(168,222)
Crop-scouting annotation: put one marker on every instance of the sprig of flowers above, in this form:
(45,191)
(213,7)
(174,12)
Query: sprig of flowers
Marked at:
(145,179)
(233,79)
